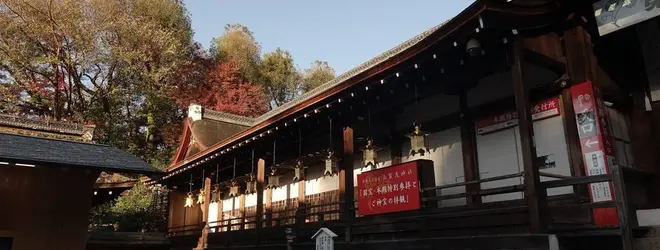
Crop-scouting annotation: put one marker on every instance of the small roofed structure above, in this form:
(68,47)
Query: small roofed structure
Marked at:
(49,170)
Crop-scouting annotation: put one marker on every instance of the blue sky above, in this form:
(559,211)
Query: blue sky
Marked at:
(345,33)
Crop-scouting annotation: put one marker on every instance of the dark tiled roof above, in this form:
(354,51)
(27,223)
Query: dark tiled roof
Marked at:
(41,151)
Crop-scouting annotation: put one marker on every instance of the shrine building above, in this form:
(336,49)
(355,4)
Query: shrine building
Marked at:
(48,171)
(514,125)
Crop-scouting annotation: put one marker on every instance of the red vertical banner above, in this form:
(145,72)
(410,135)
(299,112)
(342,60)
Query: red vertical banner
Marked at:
(596,144)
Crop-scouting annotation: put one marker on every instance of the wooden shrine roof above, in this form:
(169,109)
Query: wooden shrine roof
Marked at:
(43,151)
(361,73)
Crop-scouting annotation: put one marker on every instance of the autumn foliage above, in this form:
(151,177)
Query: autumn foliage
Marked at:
(223,89)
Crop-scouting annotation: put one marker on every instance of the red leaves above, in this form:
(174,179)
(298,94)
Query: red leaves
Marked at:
(223,89)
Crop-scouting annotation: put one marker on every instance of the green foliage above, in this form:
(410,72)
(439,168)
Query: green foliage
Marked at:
(319,73)
(280,77)
(107,62)
(135,212)
(238,45)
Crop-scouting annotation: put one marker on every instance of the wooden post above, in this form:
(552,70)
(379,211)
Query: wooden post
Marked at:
(202,242)
(241,211)
(469,148)
(395,144)
(220,214)
(621,200)
(346,188)
(579,69)
(535,194)
(261,175)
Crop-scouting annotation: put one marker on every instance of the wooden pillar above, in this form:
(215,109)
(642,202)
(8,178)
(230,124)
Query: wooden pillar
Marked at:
(301,210)
(579,68)
(346,187)
(202,242)
(535,195)
(241,211)
(220,214)
(395,144)
(261,176)
(469,149)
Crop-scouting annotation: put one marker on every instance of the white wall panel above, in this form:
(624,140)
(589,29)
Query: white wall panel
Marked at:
(551,143)
(447,157)
(498,155)
(228,204)
(213,214)
(250,200)
(279,194)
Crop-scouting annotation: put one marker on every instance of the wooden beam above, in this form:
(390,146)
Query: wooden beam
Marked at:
(261,177)
(535,194)
(241,211)
(346,188)
(575,159)
(469,148)
(203,239)
(620,197)
(395,144)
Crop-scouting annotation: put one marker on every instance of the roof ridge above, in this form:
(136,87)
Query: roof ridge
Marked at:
(228,117)
(55,139)
(39,124)
(350,73)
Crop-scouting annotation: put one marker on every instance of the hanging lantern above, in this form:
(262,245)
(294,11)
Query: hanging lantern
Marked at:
(251,185)
(369,154)
(189,200)
(299,171)
(200,197)
(418,140)
(216,193)
(234,189)
(273,179)
(331,164)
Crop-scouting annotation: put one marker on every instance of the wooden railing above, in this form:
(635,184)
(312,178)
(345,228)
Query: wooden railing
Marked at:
(424,221)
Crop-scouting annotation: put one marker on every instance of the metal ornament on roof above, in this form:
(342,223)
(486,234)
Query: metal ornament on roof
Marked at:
(200,197)
(418,143)
(331,164)
(216,194)
(273,179)
(234,189)
(189,198)
(299,171)
(369,154)
(251,185)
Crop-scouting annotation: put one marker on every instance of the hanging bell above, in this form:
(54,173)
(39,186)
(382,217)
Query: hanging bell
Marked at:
(331,164)
(216,194)
(273,179)
(418,140)
(369,154)
(189,200)
(234,189)
(299,171)
(251,185)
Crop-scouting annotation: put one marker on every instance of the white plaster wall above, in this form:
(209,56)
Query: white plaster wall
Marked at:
(499,154)
(317,183)
(228,204)
(447,156)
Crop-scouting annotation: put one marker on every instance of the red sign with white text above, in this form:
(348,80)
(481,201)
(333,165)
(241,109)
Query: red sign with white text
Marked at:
(596,146)
(391,189)
(544,109)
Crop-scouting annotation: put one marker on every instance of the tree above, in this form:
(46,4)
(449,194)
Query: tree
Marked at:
(224,89)
(319,73)
(136,211)
(238,45)
(110,62)
(281,80)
